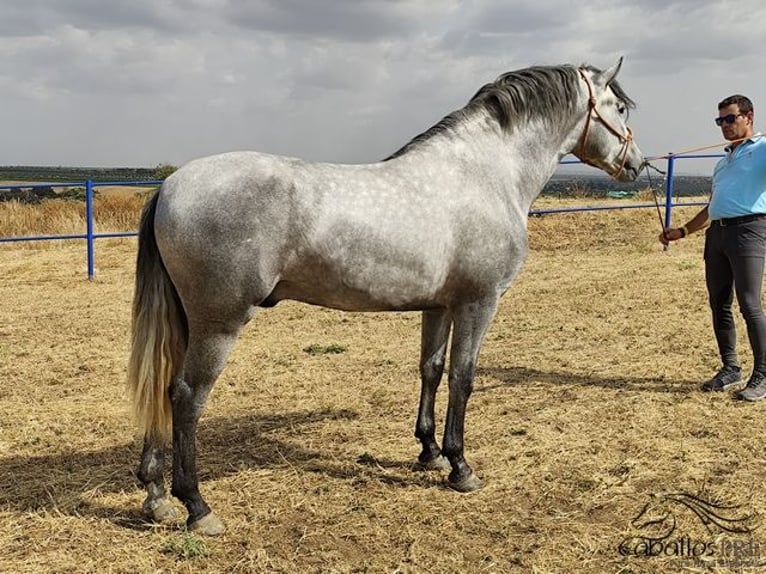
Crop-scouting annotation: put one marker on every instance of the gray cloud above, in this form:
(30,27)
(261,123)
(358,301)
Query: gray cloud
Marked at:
(143,82)
(38,17)
(352,20)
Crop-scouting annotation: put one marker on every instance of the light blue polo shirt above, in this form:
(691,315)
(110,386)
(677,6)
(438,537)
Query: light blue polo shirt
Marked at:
(739,181)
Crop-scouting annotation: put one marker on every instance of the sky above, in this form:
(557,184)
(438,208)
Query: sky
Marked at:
(146,82)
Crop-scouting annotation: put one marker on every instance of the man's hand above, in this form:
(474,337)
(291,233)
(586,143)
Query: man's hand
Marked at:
(671,234)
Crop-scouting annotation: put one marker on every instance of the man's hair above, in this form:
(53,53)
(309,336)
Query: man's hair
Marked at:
(744,103)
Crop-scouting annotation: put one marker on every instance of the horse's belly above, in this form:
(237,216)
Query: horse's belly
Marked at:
(364,285)
(351,300)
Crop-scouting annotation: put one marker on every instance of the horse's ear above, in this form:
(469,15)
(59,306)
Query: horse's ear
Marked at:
(607,76)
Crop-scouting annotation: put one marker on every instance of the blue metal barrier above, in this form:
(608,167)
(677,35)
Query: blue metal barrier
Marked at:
(90,234)
(669,203)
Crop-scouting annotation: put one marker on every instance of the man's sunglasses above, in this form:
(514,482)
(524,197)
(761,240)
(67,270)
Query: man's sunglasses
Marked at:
(728,119)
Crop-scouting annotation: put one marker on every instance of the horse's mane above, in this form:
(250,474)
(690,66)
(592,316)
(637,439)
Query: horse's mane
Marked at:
(548,92)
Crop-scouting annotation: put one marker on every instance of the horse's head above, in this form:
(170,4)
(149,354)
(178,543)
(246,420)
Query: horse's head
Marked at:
(607,141)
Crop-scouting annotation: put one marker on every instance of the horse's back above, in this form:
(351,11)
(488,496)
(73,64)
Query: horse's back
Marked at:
(219,180)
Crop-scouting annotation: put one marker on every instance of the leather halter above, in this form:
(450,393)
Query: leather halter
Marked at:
(625,138)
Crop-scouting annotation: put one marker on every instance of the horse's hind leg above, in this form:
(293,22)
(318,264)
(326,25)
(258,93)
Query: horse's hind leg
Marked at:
(434,334)
(204,361)
(157,505)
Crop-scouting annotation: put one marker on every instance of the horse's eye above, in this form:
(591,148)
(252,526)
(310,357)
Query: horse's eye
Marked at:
(621,109)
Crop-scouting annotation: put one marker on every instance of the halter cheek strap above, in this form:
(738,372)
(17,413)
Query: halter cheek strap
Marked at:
(626,138)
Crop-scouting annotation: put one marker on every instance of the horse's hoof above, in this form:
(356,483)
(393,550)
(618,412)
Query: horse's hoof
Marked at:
(468,484)
(209,525)
(161,511)
(438,463)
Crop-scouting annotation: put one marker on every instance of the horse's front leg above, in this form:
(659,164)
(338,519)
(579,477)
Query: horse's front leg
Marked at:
(157,505)
(471,323)
(433,345)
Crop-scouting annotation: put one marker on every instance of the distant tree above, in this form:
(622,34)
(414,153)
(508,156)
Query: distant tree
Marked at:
(163,170)
(75,194)
(44,192)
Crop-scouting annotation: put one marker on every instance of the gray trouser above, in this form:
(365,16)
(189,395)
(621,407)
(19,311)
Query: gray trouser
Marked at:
(734,257)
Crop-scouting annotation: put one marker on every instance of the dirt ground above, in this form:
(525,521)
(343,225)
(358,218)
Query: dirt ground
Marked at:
(586,413)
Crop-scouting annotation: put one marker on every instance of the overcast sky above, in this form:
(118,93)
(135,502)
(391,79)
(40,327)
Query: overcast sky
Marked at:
(144,82)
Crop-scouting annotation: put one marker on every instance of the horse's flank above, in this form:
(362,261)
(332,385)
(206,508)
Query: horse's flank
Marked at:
(375,237)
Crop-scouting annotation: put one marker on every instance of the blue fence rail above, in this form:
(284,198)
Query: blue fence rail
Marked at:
(90,234)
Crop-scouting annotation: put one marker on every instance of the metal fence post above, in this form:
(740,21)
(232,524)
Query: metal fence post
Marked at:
(668,196)
(89,234)
(669,192)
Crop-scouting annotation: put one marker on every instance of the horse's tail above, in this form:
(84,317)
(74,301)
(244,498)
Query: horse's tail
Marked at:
(159,335)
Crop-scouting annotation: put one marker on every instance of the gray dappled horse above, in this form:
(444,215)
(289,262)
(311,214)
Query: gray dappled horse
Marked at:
(439,226)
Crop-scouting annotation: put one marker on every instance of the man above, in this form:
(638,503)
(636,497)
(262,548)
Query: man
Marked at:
(735,246)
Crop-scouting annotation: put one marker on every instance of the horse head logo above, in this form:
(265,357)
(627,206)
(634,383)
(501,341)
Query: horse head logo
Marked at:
(659,517)
(715,516)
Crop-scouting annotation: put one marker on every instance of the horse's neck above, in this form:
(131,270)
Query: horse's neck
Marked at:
(534,156)
(535,151)
(521,162)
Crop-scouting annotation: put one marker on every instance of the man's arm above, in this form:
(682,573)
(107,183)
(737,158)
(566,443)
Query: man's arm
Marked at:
(696,223)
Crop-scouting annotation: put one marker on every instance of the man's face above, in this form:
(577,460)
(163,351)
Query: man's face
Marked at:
(734,124)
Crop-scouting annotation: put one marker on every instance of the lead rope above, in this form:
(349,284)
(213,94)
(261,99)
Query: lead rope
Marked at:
(648,166)
(696,149)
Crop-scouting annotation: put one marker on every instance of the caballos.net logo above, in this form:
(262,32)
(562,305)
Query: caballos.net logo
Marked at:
(665,528)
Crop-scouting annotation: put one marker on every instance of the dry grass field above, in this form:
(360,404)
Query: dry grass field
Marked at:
(586,410)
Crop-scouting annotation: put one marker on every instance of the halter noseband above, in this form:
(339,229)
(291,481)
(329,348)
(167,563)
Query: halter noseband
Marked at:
(625,138)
